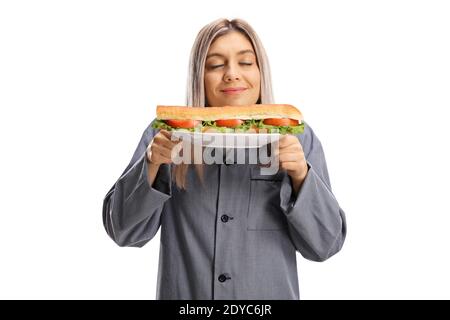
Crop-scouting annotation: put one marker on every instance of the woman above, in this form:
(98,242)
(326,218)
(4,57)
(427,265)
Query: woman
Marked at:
(227,232)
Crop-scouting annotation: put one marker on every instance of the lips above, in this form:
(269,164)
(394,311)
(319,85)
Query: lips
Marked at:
(233,90)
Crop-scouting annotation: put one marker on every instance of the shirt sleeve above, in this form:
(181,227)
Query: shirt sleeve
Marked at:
(132,208)
(316,223)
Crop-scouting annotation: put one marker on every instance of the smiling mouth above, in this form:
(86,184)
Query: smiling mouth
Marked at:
(233,91)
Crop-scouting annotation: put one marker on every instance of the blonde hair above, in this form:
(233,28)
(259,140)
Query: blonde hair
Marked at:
(195,93)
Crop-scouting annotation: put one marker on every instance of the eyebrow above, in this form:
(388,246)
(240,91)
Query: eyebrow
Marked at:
(222,56)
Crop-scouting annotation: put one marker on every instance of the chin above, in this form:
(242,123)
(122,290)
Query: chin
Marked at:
(238,102)
(234,101)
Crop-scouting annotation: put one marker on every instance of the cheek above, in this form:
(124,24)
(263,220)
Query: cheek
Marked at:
(210,82)
(256,79)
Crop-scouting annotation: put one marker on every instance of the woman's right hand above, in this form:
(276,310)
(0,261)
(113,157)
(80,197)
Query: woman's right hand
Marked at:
(160,149)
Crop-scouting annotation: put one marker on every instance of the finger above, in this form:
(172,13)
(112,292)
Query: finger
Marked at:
(161,150)
(289,157)
(161,142)
(173,135)
(298,151)
(166,133)
(170,135)
(291,144)
(158,151)
(290,166)
(286,139)
(165,141)
(158,158)
(175,150)
(293,148)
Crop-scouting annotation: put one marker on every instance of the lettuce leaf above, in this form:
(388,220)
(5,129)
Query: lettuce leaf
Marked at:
(160,124)
(212,124)
(245,126)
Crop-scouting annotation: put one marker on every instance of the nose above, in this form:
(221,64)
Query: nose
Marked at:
(231,75)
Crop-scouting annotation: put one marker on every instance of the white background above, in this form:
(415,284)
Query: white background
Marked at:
(79,82)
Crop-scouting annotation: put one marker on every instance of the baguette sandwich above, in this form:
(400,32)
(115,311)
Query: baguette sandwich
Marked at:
(257,118)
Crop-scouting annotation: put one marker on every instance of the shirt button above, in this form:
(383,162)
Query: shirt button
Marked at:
(224,218)
(223,278)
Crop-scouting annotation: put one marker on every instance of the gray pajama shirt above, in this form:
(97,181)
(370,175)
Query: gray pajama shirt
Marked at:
(236,235)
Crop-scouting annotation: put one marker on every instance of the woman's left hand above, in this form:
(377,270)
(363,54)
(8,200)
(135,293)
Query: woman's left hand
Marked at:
(292,159)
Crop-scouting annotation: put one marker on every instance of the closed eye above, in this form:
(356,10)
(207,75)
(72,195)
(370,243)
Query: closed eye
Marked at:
(221,65)
(216,66)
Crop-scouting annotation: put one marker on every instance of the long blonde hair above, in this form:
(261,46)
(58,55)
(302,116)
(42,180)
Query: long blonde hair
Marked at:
(195,94)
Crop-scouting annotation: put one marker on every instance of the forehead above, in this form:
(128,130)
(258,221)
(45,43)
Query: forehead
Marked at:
(230,44)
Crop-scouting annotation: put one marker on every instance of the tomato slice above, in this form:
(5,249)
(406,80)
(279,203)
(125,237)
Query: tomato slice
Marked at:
(230,123)
(281,122)
(185,124)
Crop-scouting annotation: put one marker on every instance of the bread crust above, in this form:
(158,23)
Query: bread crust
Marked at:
(256,111)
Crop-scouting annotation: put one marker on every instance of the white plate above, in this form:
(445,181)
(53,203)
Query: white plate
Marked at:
(228,140)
